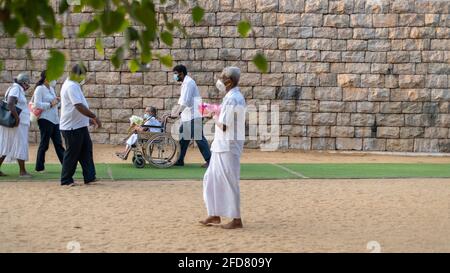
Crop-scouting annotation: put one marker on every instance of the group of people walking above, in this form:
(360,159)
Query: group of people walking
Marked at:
(221,181)
(73,125)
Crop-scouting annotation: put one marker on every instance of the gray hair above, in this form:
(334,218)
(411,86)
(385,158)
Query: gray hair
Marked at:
(233,73)
(151,109)
(23,78)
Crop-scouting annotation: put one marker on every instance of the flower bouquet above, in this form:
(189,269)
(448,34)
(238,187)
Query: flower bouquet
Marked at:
(207,109)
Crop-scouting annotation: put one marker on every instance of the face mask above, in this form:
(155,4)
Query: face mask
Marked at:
(52,84)
(175,77)
(147,116)
(221,86)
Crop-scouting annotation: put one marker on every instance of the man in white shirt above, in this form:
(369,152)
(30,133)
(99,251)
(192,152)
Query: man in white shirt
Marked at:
(191,119)
(75,120)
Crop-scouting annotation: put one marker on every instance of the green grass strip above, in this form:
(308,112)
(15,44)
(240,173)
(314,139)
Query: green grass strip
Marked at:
(248,171)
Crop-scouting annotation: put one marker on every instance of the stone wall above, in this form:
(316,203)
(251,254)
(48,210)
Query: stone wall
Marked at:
(366,75)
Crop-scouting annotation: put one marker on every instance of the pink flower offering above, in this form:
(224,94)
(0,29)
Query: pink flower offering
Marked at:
(207,108)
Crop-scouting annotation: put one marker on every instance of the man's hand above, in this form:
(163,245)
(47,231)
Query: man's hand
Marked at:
(96,122)
(17,122)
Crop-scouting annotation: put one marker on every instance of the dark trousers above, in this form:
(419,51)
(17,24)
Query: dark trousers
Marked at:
(48,131)
(78,149)
(193,130)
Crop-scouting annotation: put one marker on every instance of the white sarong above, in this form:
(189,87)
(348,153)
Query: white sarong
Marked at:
(132,140)
(14,142)
(221,191)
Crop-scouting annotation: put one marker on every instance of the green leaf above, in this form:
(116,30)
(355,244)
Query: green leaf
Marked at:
(87,28)
(244,28)
(167,38)
(12,26)
(117,58)
(63,6)
(134,65)
(197,14)
(166,60)
(261,63)
(112,22)
(99,46)
(55,65)
(131,34)
(21,39)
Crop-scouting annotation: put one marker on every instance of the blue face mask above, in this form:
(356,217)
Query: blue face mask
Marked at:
(147,116)
(175,77)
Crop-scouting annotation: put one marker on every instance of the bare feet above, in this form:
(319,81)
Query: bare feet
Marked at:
(122,156)
(25,175)
(211,220)
(235,223)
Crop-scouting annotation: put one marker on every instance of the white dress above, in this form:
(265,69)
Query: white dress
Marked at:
(221,191)
(14,141)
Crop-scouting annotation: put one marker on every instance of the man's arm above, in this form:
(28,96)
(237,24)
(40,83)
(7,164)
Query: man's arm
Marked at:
(176,111)
(88,113)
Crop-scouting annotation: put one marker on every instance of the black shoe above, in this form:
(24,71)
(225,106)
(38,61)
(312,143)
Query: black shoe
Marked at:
(91,182)
(179,163)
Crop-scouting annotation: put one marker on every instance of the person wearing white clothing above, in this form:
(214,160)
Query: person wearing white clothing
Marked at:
(45,98)
(187,110)
(14,141)
(75,120)
(221,191)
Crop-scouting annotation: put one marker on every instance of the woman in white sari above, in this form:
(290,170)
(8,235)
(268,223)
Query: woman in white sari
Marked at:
(221,191)
(14,141)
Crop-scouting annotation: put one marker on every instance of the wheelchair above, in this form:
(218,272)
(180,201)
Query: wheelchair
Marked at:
(159,149)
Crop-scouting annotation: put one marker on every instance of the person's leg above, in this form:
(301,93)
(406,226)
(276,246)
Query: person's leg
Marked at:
(57,142)
(184,141)
(87,157)
(200,139)
(74,145)
(46,131)
(1,162)
(23,171)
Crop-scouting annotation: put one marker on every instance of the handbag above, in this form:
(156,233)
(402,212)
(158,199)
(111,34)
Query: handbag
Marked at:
(6,117)
(35,112)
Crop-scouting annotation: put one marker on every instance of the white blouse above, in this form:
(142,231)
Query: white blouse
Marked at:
(43,97)
(17,91)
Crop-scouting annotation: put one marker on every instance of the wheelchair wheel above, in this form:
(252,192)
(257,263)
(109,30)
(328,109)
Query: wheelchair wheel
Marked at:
(139,161)
(162,151)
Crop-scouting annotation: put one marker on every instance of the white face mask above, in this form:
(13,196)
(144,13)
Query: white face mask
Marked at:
(52,84)
(221,86)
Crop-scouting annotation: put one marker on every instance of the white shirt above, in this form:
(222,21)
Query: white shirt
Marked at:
(191,99)
(71,118)
(43,97)
(152,121)
(232,114)
(17,91)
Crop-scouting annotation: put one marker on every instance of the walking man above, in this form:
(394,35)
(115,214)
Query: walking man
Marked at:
(75,120)
(191,119)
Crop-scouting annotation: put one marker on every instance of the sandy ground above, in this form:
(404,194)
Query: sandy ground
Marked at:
(411,215)
(279,216)
(105,154)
